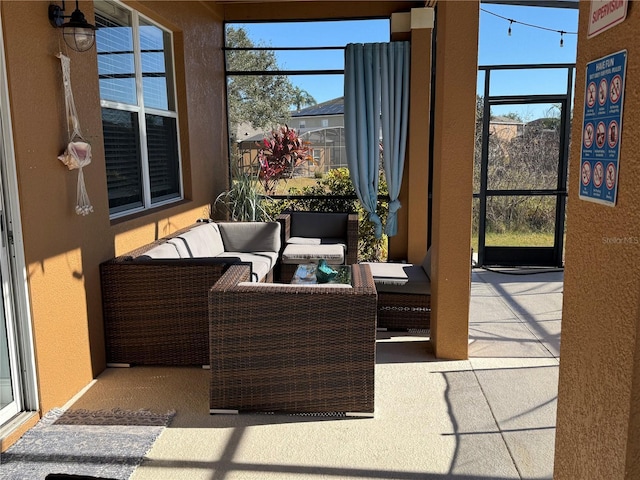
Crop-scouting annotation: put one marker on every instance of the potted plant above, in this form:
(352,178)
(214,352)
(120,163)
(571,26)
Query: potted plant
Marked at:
(279,155)
(243,201)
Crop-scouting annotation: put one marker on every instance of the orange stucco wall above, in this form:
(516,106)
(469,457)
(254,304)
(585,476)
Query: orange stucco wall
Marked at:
(63,250)
(598,423)
(452,176)
(417,178)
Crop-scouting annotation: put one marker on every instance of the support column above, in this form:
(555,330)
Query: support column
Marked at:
(413,218)
(453,144)
(598,420)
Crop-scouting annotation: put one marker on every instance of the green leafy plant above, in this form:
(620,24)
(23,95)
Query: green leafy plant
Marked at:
(279,155)
(243,201)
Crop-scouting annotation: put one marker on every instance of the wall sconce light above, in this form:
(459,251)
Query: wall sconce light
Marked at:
(77,32)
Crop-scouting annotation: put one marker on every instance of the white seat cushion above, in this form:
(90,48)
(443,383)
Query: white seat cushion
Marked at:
(304,241)
(200,242)
(261,262)
(164,250)
(400,278)
(389,273)
(294,254)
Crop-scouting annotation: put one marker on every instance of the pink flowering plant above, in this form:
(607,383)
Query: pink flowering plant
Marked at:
(279,155)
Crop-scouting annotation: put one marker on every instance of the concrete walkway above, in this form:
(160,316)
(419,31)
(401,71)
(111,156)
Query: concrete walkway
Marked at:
(491,417)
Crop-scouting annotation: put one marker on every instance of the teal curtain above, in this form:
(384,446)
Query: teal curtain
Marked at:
(362,123)
(376,109)
(395,118)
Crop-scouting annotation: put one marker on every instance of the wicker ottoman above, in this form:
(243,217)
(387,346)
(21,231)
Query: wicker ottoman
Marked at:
(404,296)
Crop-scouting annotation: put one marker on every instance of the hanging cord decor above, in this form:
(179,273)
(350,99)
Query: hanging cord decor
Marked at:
(78,152)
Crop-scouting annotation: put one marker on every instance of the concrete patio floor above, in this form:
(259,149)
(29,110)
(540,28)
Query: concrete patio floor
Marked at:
(490,417)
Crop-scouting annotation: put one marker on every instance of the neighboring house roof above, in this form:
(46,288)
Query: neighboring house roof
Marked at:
(301,131)
(330,107)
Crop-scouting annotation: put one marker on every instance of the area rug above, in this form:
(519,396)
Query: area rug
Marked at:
(104,444)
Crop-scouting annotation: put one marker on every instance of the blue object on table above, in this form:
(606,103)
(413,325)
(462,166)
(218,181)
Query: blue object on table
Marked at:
(324,273)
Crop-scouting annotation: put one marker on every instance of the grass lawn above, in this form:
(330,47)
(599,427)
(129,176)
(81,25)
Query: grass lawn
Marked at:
(515,239)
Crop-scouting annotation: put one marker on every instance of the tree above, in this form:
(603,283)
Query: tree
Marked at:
(302,98)
(523,158)
(264,101)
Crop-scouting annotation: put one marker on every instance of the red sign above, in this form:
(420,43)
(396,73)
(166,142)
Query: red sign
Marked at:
(606,14)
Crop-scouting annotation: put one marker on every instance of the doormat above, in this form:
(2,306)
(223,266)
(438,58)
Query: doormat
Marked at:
(100,444)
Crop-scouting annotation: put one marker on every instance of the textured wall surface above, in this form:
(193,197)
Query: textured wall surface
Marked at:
(597,427)
(63,250)
(452,176)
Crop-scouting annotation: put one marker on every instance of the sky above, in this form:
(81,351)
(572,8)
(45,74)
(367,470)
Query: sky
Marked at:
(525,45)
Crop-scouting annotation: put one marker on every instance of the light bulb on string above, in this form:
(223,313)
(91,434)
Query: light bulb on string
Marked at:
(540,27)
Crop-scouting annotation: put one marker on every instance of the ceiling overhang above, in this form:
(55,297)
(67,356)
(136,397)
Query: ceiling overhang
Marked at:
(537,3)
(274,10)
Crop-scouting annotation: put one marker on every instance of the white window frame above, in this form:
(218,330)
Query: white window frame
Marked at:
(141,111)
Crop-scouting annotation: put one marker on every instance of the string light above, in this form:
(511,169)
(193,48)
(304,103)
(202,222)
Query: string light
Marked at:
(512,21)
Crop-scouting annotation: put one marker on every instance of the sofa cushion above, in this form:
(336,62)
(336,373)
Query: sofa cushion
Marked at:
(293,254)
(389,273)
(304,241)
(400,278)
(203,240)
(316,241)
(250,236)
(261,262)
(164,250)
(319,225)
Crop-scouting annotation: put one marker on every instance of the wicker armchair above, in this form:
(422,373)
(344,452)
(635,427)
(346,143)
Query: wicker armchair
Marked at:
(316,235)
(292,348)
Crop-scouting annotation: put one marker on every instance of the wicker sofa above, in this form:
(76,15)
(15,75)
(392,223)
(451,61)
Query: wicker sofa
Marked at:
(310,236)
(318,357)
(155,297)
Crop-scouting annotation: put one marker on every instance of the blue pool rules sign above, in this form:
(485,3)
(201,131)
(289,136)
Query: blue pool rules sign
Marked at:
(602,128)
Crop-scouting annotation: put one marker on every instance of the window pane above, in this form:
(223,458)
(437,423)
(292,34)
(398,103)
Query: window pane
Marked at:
(114,44)
(524,154)
(164,167)
(122,155)
(155,49)
(520,221)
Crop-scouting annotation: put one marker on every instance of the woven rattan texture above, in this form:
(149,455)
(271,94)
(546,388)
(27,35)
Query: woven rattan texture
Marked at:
(291,348)
(156,314)
(397,311)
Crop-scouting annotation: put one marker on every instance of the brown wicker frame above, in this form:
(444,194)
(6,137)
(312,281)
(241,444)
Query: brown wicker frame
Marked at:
(155,310)
(286,271)
(404,311)
(292,348)
(155,313)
